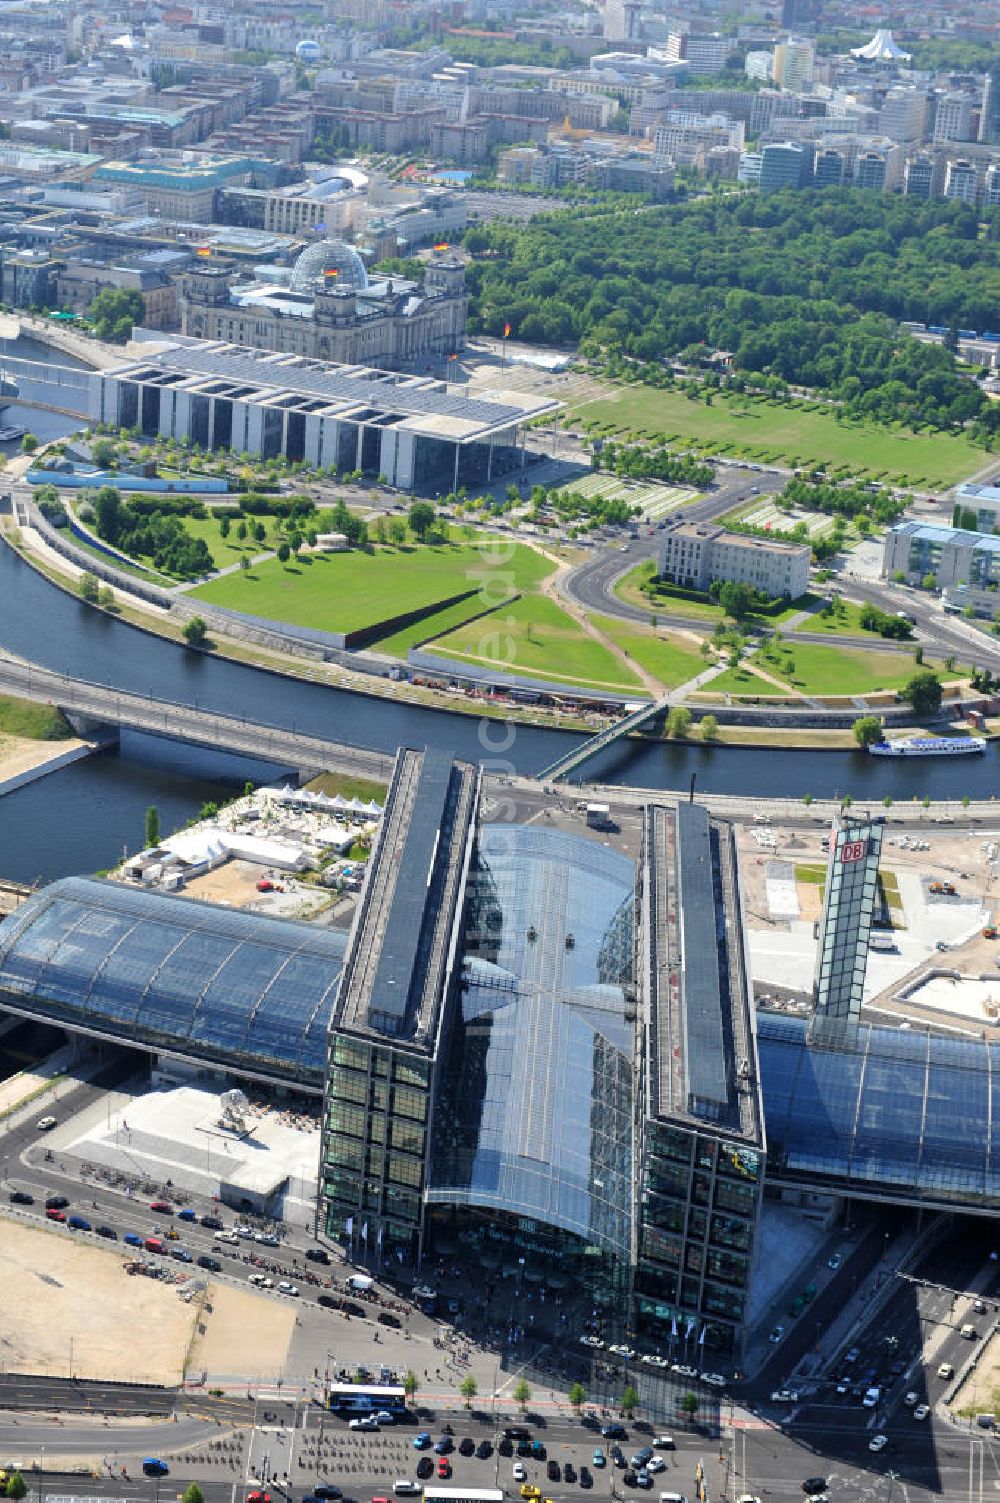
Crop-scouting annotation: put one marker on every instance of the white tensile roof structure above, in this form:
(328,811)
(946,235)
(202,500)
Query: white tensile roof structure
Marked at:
(881,49)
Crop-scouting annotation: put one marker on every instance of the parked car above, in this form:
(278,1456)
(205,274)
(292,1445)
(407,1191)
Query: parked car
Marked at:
(56,1203)
(444,1467)
(54,1215)
(425,1468)
(466,1446)
(212,1264)
(21,1198)
(79,1224)
(107,1231)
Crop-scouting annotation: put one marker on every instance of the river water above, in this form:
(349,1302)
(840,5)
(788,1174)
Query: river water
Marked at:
(80,819)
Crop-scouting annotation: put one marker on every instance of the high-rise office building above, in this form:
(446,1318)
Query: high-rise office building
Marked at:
(828,169)
(989,112)
(792,68)
(784,164)
(953,119)
(961,180)
(903,116)
(848,909)
(870,171)
(922,177)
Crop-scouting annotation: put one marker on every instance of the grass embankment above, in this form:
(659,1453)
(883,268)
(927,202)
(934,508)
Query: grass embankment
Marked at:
(672,659)
(814,669)
(778,432)
(352,591)
(533,635)
(332,783)
(34,722)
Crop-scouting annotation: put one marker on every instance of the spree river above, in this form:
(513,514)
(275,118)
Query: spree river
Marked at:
(101,801)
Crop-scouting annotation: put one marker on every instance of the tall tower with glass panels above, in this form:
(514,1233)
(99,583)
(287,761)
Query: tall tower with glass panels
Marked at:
(845,927)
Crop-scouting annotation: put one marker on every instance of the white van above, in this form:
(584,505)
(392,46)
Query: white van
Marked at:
(673,1498)
(229,1237)
(969,1332)
(405,1488)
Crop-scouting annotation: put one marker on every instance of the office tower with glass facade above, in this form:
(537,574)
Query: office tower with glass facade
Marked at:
(699,1121)
(845,926)
(393,1008)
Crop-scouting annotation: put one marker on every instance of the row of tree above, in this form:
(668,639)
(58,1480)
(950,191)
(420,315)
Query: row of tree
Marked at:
(159,536)
(639,462)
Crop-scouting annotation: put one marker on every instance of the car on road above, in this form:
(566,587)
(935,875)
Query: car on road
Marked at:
(785,1396)
(776,1335)
(261,1281)
(872,1396)
(212,1264)
(188,1215)
(714,1380)
(405,1487)
(327,1492)
(21,1198)
(155,1244)
(55,1215)
(56,1203)
(181,1254)
(425,1468)
(317,1255)
(132,1239)
(45,1124)
(910,1399)
(835,1262)
(529,1491)
(161,1207)
(643,1479)
(285,1286)
(625,1352)
(614,1432)
(592,1341)
(814,1485)
(258,1496)
(211,1223)
(599,1459)
(682,1370)
(665,1442)
(107,1231)
(946,1371)
(878,1442)
(852,1355)
(921,1411)
(267,1239)
(422,1440)
(618,1456)
(79,1224)
(152,1466)
(518,1472)
(363,1422)
(641,1457)
(656,1464)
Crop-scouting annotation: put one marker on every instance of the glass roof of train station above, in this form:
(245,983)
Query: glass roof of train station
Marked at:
(170,973)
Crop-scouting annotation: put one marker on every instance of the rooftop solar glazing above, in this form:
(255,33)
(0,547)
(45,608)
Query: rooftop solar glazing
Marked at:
(168,972)
(410,396)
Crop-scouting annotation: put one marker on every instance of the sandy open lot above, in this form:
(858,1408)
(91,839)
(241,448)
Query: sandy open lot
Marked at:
(241,1335)
(66,1299)
(234,883)
(20,754)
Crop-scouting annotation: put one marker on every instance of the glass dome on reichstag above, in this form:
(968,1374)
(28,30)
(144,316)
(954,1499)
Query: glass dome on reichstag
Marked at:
(319,261)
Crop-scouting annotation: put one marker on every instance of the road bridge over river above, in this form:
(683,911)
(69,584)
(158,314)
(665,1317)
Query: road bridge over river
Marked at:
(97,704)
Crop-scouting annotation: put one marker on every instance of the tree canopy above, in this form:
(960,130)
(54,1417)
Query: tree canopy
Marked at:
(807,286)
(113,312)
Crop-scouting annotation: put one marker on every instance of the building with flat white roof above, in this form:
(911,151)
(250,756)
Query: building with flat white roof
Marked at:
(693,554)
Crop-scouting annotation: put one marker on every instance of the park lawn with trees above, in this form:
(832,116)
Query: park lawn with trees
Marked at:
(763,428)
(535,636)
(398,643)
(844,620)
(742,682)
(35,722)
(672,659)
(675,602)
(822,670)
(354,590)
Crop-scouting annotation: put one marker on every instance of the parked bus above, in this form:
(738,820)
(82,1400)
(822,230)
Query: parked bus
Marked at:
(463,1495)
(356,1398)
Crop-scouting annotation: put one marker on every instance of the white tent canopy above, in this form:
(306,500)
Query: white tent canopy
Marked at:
(881,49)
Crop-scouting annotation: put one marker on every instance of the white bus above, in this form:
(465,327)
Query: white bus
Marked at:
(356,1398)
(463,1495)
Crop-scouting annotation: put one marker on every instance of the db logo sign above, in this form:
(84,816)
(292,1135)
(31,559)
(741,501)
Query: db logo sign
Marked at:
(853,850)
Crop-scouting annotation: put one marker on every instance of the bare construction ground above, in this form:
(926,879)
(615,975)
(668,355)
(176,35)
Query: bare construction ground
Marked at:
(241,1336)
(70,1305)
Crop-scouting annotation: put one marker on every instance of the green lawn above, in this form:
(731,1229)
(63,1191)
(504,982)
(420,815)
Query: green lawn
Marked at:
(740,681)
(350,591)
(226,551)
(667,603)
(398,644)
(35,722)
(671,659)
(822,670)
(534,636)
(761,430)
(846,622)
